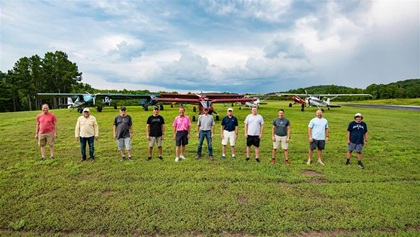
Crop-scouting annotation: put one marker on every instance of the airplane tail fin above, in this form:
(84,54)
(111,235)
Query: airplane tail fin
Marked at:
(70,102)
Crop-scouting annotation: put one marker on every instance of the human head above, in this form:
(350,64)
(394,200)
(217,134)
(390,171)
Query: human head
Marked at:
(230,111)
(123,110)
(319,113)
(181,111)
(45,108)
(358,117)
(156,110)
(86,112)
(281,113)
(254,110)
(206,110)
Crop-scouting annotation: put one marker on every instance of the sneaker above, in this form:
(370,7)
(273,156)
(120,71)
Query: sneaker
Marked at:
(308,162)
(223,157)
(273,161)
(52,158)
(176,159)
(160,158)
(130,158)
(287,163)
(42,159)
(211,157)
(233,158)
(258,160)
(182,157)
(348,162)
(360,165)
(122,159)
(247,159)
(320,161)
(148,158)
(91,158)
(83,159)
(197,157)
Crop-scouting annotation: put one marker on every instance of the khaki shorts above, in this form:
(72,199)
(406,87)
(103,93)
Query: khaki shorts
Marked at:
(280,140)
(46,138)
(228,136)
(154,140)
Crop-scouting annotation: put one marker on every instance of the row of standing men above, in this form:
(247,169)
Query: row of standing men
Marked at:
(87,131)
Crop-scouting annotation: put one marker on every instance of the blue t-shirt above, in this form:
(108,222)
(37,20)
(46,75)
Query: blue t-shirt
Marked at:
(357,132)
(318,126)
(229,124)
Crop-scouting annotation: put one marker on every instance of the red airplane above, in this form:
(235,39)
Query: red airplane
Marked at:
(204,101)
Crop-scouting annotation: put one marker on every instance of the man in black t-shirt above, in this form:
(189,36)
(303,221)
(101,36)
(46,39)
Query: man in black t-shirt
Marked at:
(155,131)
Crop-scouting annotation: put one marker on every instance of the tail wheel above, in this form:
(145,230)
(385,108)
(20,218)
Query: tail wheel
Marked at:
(161,107)
(290,104)
(99,109)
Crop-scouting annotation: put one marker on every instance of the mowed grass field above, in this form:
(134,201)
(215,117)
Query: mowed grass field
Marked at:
(212,198)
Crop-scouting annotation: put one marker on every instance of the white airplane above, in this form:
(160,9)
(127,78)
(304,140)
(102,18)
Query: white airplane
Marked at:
(316,100)
(250,104)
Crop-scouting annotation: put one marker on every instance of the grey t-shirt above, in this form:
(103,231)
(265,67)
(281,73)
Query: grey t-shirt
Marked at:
(281,126)
(205,122)
(123,126)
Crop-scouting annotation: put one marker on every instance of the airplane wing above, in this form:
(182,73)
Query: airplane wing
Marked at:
(118,96)
(50,95)
(344,95)
(176,100)
(225,100)
(287,94)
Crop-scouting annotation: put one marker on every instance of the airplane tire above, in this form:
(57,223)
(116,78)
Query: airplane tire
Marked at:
(217,118)
(99,109)
(146,108)
(322,110)
(172,105)
(240,108)
(115,106)
(193,118)
(194,109)
(80,110)
(290,105)
(161,107)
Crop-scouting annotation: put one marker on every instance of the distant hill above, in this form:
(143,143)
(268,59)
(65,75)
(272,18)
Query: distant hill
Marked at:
(401,89)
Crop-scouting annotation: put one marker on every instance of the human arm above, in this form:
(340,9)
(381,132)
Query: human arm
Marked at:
(148,131)
(273,137)
(95,124)
(366,138)
(288,134)
(327,134)
(261,130)
(310,134)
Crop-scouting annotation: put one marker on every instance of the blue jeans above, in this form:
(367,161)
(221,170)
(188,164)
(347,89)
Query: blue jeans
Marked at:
(89,140)
(207,135)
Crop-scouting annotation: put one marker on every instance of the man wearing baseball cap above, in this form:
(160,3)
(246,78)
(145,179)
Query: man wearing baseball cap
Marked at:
(357,137)
(86,131)
(229,132)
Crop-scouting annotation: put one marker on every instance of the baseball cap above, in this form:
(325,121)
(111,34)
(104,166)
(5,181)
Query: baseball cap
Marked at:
(86,110)
(123,108)
(230,109)
(156,108)
(358,115)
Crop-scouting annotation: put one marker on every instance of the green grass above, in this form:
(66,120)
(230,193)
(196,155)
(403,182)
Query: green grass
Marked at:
(219,198)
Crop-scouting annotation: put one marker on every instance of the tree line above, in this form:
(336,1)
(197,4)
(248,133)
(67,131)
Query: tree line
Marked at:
(55,73)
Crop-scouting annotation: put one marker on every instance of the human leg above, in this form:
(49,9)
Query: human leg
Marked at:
(83,141)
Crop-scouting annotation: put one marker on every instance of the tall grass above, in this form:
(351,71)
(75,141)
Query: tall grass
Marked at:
(219,198)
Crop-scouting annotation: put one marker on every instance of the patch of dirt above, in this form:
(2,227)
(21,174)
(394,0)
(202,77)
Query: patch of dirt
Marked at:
(242,199)
(311,172)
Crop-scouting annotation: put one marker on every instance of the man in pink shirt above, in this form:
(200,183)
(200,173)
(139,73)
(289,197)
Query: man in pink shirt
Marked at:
(181,126)
(46,130)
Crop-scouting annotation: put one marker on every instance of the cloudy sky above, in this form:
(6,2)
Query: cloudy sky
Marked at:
(206,45)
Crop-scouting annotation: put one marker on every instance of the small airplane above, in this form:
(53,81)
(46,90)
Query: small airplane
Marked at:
(80,100)
(203,101)
(251,104)
(316,100)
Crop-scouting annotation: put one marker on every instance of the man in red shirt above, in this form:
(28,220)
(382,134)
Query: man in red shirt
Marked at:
(46,130)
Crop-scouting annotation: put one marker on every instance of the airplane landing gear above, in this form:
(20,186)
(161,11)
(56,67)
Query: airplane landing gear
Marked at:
(99,109)
(290,105)
(193,118)
(217,118)
(80,110)
(161,107)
